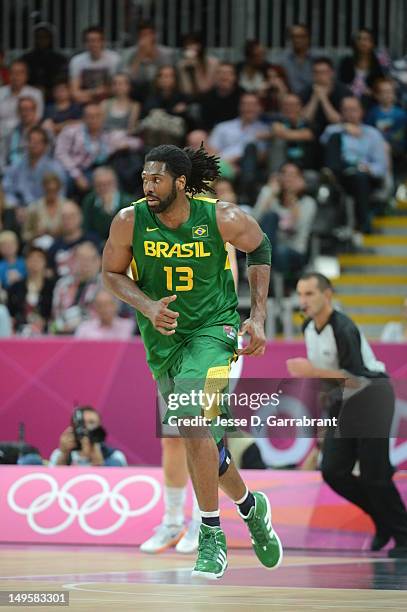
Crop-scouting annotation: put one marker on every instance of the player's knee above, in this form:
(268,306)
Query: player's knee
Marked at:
(224,458)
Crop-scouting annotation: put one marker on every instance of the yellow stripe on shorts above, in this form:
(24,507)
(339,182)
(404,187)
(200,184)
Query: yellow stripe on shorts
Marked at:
(217,379)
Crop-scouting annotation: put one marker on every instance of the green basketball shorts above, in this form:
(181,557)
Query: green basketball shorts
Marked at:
(193,385)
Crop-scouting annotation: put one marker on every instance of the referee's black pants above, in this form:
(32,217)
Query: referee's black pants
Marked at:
(373,490)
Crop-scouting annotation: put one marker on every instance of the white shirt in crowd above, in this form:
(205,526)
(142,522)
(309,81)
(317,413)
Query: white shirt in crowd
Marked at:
(91,71)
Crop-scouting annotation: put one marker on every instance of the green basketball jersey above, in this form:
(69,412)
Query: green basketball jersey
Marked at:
(191,262)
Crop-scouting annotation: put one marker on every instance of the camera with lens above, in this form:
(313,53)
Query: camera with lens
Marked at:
(95,434)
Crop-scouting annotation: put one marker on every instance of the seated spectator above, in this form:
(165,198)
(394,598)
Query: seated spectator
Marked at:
(44,216)
(391,121)
(82,147)
(165,111)
(74,295)
(237,142)
(275,89)
(221,103)
(106,325)
(166,94)
(229,138)
(322,99)
(297,61)
(9,95)
(362,68)
(30,300)
(196,69)
(63,111)
(194,140)
(83,442)
(142,61)
(17,139)
(23,182)
(357,154)
(286,215)
(61,255)
(102,203)
(12,267)
(399,73)
(91,72)
(252,71)
(291,136)
(120,111)
(44,63)
(4,71)
(396,331)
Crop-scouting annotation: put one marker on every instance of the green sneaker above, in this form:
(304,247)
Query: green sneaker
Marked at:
(266,543)
(212,561)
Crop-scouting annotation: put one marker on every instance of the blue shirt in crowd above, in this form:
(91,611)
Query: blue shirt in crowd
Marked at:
(6,267)
(392,123)
(367,149)
(22,183)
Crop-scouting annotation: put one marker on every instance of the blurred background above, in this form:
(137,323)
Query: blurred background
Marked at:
(305,102)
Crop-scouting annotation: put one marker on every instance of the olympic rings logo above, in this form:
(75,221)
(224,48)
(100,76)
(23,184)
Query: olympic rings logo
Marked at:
(69,504)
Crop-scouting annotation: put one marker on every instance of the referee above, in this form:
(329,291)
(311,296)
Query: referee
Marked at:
(336,349)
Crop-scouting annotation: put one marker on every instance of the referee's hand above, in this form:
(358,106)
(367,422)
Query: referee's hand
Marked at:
(300,367)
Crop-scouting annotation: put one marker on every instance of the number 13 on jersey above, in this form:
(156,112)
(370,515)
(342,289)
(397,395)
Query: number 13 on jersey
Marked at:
(183,274)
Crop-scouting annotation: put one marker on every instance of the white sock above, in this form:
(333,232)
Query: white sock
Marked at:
(211,519)
(196,513)
(174,500)
(241,500)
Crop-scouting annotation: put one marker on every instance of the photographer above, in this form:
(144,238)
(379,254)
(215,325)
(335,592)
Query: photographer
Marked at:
(83,442)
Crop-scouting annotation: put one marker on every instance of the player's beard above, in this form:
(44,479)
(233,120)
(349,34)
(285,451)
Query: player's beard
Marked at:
(164,204)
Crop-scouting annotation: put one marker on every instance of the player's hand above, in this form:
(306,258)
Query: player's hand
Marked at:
(257,345)
(163,319)
(300,367)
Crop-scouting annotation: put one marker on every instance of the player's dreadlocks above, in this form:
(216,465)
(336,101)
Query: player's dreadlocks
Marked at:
(196,165)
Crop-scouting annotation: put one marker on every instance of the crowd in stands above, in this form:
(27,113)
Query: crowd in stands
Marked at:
(74,132)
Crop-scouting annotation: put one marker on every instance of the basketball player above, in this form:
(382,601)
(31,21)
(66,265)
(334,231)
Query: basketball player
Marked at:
(336,349)
(186,310)
(171,531)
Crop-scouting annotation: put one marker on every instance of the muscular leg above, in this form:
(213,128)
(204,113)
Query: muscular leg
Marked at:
(232,484)
(174,462)
(203,465)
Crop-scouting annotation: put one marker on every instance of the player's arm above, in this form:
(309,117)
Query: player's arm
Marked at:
(117,256)
(233,264)
(244,233)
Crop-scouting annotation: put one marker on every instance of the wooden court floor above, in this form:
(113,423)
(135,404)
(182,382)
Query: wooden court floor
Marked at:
(119,579)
